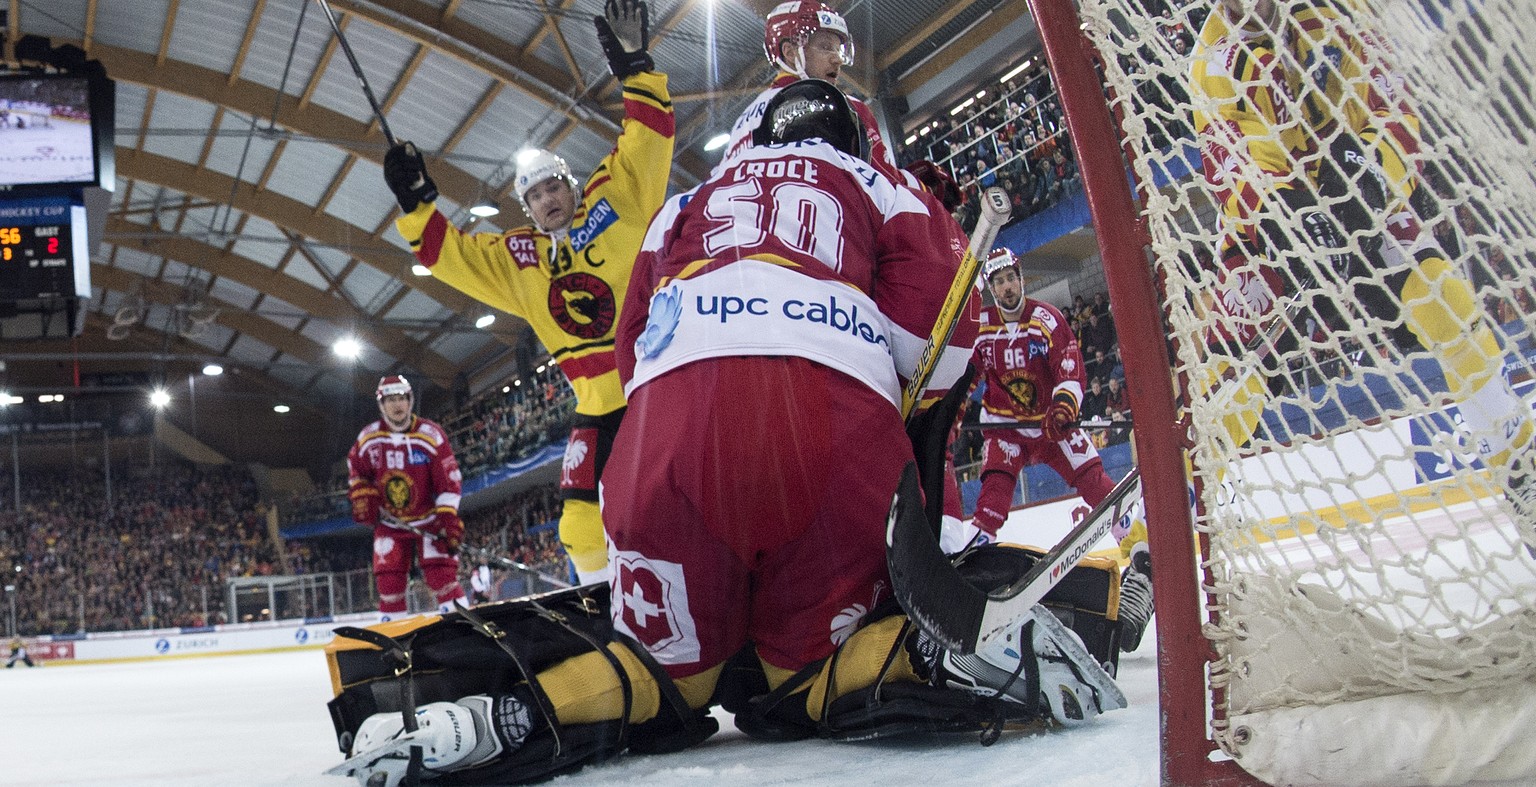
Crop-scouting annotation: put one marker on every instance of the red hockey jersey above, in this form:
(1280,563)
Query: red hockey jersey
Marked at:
(799,250)
(414,473)
(1027,363)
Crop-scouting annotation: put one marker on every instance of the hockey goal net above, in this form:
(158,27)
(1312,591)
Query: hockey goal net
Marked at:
(1350,367)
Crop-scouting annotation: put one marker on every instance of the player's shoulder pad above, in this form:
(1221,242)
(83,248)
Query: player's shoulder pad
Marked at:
(661,224)
(373,428)
(1048,315)
(430,430)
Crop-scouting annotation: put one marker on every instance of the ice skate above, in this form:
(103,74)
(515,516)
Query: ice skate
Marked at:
(1135,600)
(451,736)
(1073,687)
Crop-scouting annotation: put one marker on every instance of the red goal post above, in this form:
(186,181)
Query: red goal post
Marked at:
(1350,554)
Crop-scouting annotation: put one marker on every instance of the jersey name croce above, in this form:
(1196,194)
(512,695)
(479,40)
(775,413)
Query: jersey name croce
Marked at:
(570,288)
(795,249)
(414,470)
(1026,363)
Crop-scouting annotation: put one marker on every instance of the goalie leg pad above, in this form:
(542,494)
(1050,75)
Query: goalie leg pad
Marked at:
(497,650)
(896,697)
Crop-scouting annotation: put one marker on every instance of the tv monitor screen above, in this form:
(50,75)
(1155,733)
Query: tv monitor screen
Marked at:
(55,130)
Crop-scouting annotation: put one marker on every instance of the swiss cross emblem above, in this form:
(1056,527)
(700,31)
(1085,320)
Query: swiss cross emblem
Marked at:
(643,597)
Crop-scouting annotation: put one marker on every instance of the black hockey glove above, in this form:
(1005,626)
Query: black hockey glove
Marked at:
(624,30)
(406,174)
(1351,179)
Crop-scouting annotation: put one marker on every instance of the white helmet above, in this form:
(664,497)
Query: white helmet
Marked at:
(536,167)
(997,260)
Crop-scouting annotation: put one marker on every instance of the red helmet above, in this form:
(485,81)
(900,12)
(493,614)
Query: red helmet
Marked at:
(391,386)
(796,21)
(938,182)
(999,258)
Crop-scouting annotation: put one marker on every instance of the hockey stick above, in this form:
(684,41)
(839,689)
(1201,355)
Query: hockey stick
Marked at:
(953,611)
(487,556)
(995,209)
(982,426)
(358,70)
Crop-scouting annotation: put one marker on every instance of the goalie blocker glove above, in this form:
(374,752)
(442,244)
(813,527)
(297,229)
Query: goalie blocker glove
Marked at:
(624,31)
(405,172)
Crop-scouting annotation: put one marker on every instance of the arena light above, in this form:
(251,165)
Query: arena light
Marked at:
(159,398)
(213,370)
(485,321)
(717,141)
(1018,69)
(347,347)
(421,270)
(963,105)
(6,399)
(280,408)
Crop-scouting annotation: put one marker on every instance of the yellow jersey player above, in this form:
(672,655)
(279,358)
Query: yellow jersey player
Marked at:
(1310,141)
(567,273)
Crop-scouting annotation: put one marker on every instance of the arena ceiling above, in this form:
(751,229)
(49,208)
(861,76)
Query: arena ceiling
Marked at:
(249,185)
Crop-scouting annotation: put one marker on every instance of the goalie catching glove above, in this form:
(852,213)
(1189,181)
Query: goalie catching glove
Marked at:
(405,172)
(624,31)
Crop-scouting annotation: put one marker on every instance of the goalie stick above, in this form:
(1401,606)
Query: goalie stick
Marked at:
(953,611)
(995,210)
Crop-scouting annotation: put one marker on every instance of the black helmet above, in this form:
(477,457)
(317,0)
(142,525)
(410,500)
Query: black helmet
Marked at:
(812,109)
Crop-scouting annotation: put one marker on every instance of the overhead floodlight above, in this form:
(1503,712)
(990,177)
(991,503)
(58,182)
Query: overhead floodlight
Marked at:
(506,389)
(159,398)
(485,321)
(1015,72)
(347,347)
(213,370)
(421,270)
(280,408)
(717,141)
(484,210)
(6,400)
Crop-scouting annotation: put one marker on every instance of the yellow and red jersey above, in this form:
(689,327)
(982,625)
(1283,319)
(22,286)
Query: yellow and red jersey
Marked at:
(1266,102)
(570,287)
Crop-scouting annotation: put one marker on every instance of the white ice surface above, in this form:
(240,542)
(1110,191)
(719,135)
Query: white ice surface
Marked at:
(261,720)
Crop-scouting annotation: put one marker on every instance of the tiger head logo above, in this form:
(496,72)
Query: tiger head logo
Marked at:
(397,491)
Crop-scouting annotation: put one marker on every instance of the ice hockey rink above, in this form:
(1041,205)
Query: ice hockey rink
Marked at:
(261,720)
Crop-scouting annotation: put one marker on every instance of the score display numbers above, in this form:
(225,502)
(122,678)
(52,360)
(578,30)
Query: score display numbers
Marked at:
(37,249)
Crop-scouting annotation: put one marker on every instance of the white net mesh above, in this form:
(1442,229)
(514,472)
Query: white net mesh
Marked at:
(1342,201)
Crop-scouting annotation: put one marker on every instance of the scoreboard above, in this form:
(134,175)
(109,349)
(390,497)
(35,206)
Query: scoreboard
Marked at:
(43,249)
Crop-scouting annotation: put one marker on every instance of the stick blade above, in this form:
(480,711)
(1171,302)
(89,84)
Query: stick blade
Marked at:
(928,586)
